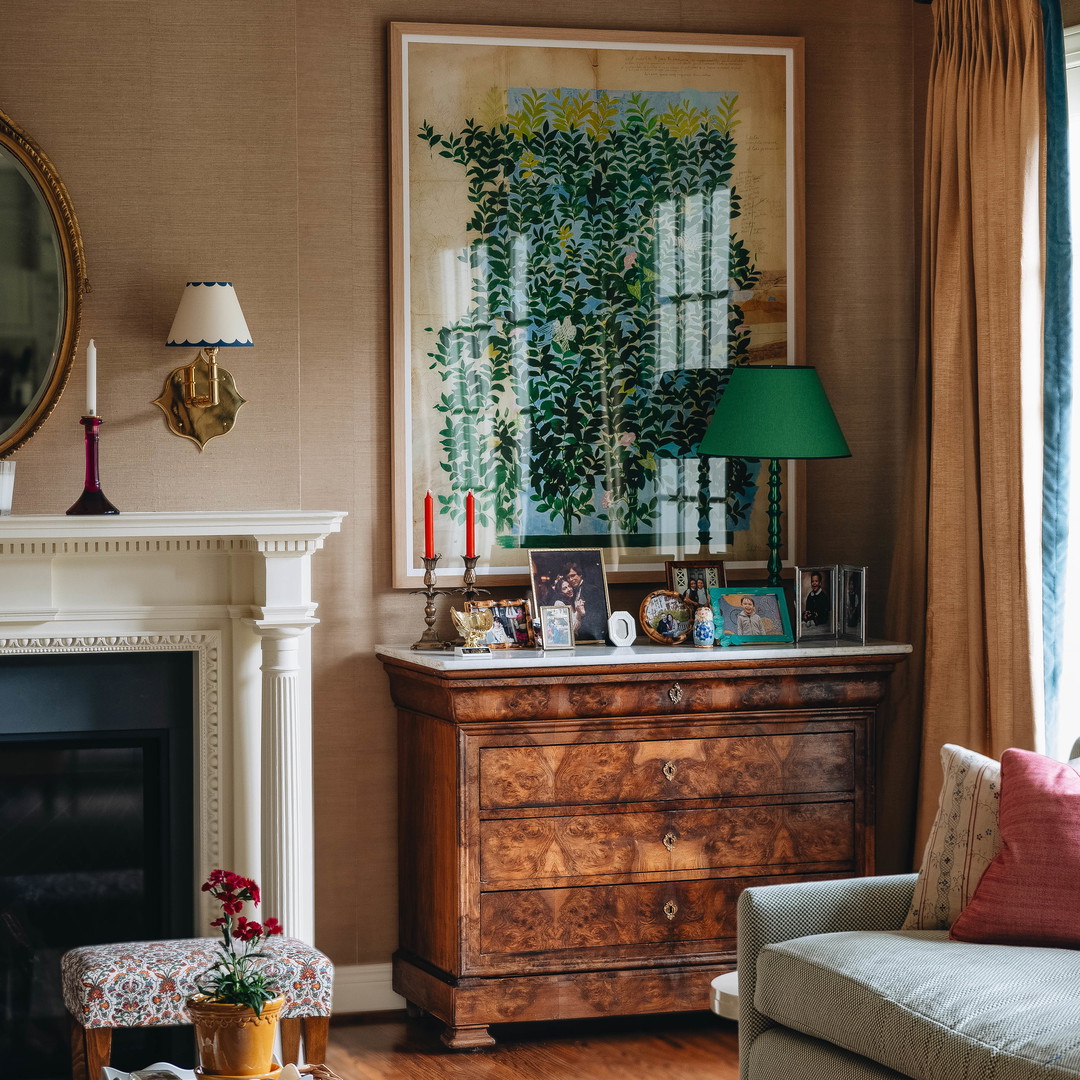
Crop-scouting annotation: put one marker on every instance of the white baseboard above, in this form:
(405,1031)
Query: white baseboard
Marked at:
(360,988)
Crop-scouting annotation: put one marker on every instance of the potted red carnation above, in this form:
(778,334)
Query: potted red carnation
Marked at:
(236,1011)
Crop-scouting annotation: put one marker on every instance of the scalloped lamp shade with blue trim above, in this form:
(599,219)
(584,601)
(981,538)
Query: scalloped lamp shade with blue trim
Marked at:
(209,316)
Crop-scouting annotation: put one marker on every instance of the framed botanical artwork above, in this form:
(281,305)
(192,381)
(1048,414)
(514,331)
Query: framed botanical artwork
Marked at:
(693,578)
(815,601)
(851,603)
(666,617)
(574,579)
(588,229)
(556,629)
(750,616)
(511,623)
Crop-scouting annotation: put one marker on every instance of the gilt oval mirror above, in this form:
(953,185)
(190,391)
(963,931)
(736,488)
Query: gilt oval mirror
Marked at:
(42,281)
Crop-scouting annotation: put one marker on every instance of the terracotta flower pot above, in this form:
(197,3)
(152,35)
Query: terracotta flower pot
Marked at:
(233,1041)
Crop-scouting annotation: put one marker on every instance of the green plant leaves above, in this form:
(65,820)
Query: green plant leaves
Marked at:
(233,979)
(600,321)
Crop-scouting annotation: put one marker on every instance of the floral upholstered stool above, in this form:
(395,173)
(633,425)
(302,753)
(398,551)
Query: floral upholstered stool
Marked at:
(145,984)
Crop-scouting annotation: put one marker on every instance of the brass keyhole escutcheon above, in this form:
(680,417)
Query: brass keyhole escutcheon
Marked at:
(670,839)
(675,693)
(669,770)
(671,909)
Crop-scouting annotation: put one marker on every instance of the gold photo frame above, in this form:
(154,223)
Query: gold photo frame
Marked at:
(511,626)
(573,578)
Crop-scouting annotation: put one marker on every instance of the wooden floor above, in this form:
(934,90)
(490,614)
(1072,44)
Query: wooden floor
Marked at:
(688,1046)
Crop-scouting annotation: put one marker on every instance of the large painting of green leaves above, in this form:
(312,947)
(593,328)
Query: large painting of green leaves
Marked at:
(587,263)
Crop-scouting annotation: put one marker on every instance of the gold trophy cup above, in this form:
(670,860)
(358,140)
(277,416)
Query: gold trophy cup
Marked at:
(473,625)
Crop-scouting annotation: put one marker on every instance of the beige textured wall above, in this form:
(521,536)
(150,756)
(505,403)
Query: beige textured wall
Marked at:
(246,140)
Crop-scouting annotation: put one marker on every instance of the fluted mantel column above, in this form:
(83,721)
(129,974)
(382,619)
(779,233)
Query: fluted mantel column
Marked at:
(283,621)
(288,863)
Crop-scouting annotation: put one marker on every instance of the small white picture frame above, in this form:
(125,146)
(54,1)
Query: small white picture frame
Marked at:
(621,629)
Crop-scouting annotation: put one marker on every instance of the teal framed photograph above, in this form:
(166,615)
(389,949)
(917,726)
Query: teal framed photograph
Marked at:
(588,230)
(750,616)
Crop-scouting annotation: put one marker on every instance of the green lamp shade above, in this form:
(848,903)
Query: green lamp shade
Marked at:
(774,412)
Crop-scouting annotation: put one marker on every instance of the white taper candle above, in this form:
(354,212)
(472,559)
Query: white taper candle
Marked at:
(91,379)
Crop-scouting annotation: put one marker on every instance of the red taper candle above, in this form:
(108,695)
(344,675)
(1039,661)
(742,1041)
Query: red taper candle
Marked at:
(470,526)
(429,526)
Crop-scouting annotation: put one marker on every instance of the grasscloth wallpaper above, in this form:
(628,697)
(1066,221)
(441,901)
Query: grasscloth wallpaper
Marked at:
(247,141)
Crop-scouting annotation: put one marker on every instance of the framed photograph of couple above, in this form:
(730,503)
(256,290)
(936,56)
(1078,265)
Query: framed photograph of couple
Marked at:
(533,232)
(667,617)
(573,578)
(751,616)
(511,623)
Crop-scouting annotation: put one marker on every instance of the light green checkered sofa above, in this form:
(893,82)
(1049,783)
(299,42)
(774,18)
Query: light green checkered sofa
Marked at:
(831,989)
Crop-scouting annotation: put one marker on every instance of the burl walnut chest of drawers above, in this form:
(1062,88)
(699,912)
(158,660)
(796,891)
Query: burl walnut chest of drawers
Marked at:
(573,839)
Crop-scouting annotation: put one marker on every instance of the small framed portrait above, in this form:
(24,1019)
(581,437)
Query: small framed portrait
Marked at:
(667,617)
(851,603)
(556,629)
(511,623)
(693,578)
(574,579)
(815,601)
(753,616)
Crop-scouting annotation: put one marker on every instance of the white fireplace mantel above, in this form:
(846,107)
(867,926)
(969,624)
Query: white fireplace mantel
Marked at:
(233,587)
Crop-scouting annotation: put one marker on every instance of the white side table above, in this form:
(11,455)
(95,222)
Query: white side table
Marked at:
(724,995)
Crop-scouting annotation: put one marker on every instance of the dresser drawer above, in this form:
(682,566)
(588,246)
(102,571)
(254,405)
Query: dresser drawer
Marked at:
(553,847)
(615,772)
(606,916)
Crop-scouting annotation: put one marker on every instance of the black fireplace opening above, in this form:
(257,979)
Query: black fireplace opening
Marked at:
(96,836)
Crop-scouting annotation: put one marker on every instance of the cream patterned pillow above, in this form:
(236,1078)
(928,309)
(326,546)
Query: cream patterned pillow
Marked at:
(963,840)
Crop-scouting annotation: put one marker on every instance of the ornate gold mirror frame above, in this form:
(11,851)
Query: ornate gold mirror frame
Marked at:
(72,274)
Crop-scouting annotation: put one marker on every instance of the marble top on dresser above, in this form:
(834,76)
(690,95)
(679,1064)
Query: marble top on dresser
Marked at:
(645,655)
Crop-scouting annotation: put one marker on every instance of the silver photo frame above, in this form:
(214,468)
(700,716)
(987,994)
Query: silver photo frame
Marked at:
(815,602)
(851,603)
(556,628)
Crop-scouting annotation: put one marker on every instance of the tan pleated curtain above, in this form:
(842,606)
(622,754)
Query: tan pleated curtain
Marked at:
(965,581)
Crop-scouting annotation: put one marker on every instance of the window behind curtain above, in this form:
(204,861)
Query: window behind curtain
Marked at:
(1060,738)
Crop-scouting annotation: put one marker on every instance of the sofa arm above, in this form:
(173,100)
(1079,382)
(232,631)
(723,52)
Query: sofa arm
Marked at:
(773,913)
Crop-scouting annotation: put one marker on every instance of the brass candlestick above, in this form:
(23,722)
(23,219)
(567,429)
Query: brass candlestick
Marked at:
(429,639)
(470,591)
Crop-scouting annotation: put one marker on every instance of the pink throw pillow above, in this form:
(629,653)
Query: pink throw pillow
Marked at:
(1028,894)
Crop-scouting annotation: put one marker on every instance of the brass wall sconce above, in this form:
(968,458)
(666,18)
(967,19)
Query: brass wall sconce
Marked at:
(200,400)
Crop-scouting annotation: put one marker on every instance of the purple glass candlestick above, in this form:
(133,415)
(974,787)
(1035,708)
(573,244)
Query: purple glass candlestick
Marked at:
(92,500)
